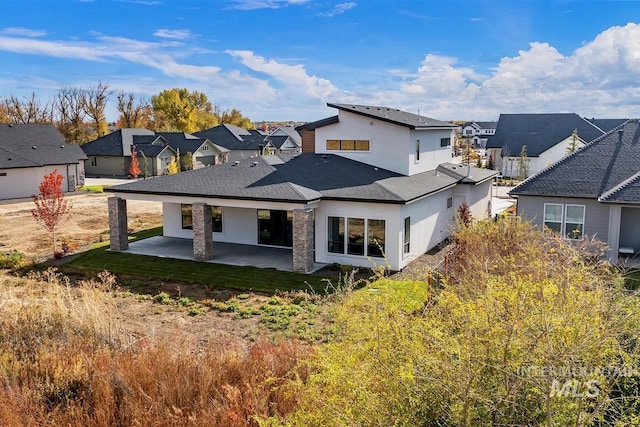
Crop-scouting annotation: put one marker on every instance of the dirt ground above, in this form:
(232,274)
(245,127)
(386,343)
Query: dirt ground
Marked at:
(87,224)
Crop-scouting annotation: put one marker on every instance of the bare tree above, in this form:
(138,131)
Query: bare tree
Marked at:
(94,103)
(133,114)
(27,110)
(70,115)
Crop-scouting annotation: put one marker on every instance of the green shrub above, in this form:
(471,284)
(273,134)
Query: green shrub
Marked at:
(13,259)
(162,298)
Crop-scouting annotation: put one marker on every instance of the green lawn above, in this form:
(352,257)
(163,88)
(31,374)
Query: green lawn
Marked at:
(167,269)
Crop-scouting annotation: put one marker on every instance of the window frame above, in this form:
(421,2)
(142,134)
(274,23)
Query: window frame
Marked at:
(353,145)
(417,153)
(406,236)
(449,202)
(584,214)
(561,222)
(447,142)
(360,248)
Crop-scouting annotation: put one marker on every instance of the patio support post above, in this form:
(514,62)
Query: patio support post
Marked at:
(303,256)
(119,238)
(202,232)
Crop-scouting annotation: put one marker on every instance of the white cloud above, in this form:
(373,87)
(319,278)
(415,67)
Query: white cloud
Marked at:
(23,32)
(291,76)
(339,9)
(264,4)
(173,34)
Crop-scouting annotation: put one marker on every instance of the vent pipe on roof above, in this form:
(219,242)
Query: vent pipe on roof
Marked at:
(468,171)
(620,133)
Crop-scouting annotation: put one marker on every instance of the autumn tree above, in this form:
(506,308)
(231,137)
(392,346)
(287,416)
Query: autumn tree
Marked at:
(134,167)
(94,103)
(134,114)
(179,109)
(51,206)
(235,117)
(174,167)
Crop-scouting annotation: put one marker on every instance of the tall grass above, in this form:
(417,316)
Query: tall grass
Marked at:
(65,359)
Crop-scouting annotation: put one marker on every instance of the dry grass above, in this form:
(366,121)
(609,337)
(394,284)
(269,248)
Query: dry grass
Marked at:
(65,359)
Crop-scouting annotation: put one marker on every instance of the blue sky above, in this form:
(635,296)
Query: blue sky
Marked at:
(285,59)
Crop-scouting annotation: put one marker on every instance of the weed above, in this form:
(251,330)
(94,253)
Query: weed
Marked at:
(163,298)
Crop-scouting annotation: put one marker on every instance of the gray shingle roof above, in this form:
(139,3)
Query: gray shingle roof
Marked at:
(606,169)
(300,178)
(538,132)
(393,115)
(233,137)
(318,123)
(116,143)
(34,145)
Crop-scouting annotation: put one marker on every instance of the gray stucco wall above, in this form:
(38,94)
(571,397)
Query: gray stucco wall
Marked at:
(105,166)
(596,222)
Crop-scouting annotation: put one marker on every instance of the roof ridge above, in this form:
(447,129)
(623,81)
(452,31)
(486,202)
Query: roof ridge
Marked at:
(619,187)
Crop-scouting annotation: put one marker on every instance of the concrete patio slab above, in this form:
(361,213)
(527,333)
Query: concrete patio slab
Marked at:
(223,253)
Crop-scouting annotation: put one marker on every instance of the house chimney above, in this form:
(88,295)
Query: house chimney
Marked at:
(620,133)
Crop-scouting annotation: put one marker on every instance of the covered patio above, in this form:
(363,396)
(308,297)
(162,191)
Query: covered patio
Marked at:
(223,253)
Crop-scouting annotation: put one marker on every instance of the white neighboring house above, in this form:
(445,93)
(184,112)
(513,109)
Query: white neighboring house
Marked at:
(546,137)
(28,152)
(479,132)
(379,188)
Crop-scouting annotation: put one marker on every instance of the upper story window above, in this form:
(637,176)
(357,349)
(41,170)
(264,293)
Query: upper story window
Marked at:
(205,148)
(468,132)
(348,144)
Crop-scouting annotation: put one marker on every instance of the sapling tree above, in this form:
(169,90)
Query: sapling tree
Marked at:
(51,206)
(134,167)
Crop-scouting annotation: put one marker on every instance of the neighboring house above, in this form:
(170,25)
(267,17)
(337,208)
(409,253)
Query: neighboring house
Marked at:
(205,153)
(28,152)
(547,138)
(243,144)
(377,189)
(110,155)
(478,132)
(592,192)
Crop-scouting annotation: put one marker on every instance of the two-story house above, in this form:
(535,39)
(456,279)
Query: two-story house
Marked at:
(546,139)
(378,188)
(478,132)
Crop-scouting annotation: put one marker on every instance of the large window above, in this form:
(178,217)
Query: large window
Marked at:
(574,221)
(359,237)
(566,220)
(275,228)
(406,243)
(348,144)
(216,218)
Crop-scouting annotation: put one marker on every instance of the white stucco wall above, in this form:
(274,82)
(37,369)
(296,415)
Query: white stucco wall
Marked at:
(391,146)
(23,182)
(431,223)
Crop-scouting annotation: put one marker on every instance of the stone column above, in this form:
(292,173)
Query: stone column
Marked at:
(202,232)
(303,232)
(119,238)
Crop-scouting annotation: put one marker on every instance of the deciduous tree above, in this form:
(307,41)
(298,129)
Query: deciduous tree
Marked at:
(134,114)
(51,206)
(179,109)
(27,110)
(134,166)
(68,105)
(187,161)
(94,103)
